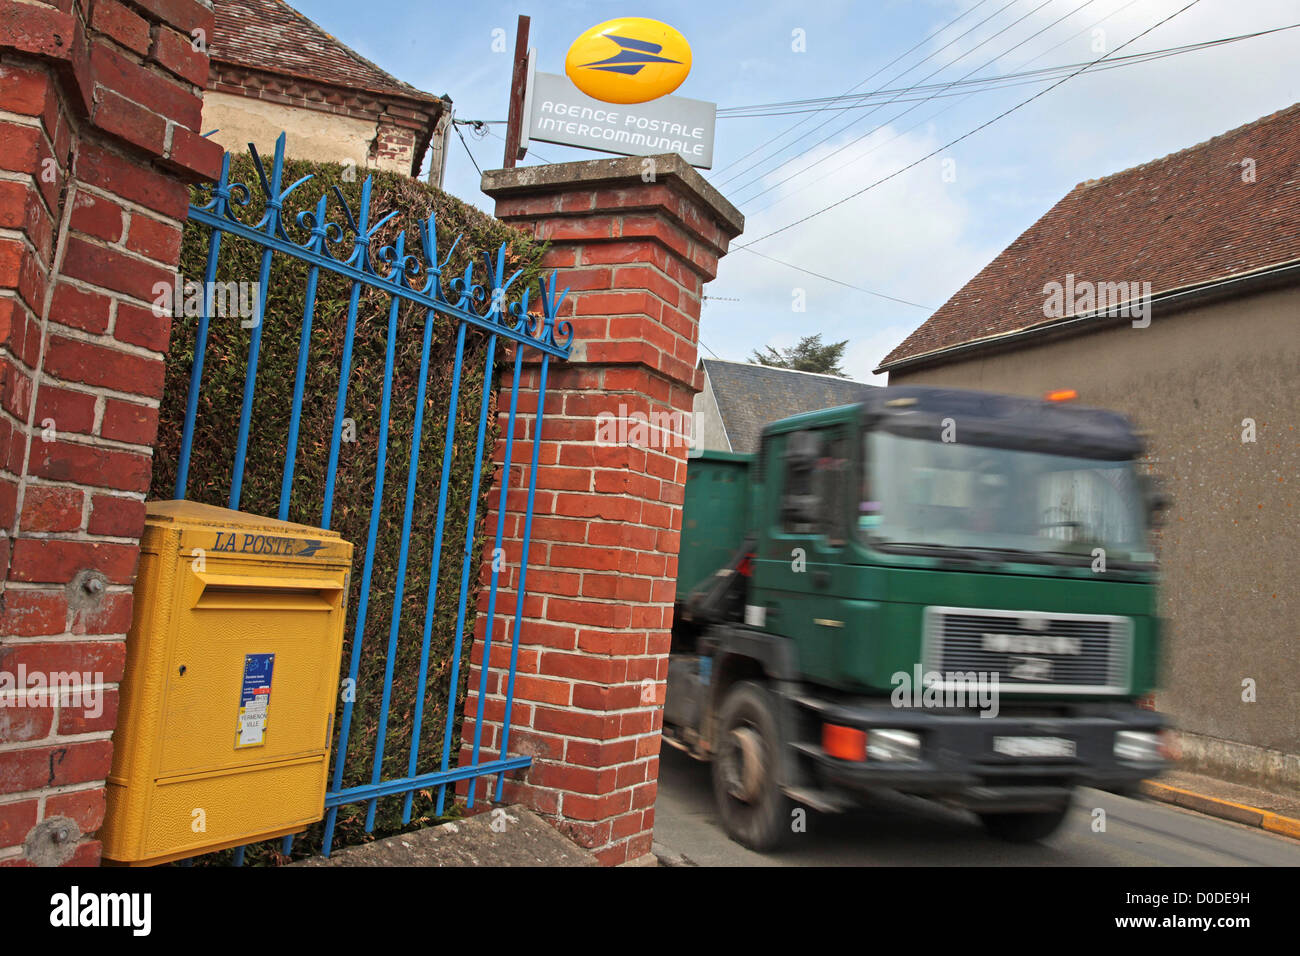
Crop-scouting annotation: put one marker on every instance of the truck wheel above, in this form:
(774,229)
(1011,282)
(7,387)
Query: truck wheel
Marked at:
(1028,827)
(755,813)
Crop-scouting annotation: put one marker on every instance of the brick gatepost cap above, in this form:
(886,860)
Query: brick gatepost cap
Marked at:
(615,172)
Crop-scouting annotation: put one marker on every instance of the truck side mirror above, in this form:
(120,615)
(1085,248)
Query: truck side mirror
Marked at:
(802,447)
(799,503)
(1157,499)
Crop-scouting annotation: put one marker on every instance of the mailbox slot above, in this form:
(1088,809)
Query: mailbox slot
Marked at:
(226,592)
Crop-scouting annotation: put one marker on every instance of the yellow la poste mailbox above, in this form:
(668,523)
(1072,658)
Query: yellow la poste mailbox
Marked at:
(232,676)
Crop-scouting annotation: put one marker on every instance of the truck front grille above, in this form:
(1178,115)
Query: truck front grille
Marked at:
(1030,651)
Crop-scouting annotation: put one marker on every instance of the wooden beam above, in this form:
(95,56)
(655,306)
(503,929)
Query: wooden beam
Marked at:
(517,80)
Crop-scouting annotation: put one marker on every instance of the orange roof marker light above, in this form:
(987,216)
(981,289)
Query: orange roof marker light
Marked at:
(1062,395)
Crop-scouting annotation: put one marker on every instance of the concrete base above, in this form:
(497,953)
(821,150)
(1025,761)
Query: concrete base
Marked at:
(1240,763)
(514,837)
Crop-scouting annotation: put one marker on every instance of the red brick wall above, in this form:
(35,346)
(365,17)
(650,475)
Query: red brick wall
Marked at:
(394,143)
(602,566)
(99,111)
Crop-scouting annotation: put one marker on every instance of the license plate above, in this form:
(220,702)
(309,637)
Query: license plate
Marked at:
(1034,746)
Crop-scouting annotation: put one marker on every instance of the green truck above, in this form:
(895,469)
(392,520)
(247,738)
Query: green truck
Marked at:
(936,591)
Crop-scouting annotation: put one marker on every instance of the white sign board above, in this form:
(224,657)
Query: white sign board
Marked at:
(558,112)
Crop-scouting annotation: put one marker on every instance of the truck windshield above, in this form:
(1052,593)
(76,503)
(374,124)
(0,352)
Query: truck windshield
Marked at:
(949,495)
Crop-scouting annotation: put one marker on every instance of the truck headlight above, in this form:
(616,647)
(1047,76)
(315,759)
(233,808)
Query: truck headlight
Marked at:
(893,745)
(1137,746)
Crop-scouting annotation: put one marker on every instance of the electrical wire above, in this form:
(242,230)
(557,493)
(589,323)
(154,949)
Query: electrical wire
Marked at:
(927,119)
(937,113)
(1002,81)
(856,85)
(859,119)
(840,282)
(456,127)
(968,133)
(896,77)
(530,147)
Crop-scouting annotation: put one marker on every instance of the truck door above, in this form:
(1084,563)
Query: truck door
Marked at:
(804,579)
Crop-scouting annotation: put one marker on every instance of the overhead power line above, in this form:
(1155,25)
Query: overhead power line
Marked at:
(980,84)
(856,85)
(847,100)
(892,79)
(931,117)
(1034,58)
(968,133)
(859,119)
(840,282)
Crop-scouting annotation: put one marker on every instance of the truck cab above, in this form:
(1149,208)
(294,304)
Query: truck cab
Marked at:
(937,591)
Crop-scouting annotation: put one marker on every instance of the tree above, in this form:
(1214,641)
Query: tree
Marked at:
(810,355)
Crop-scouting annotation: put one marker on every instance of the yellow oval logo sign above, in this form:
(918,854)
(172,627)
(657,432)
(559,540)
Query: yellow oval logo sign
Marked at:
(629,60)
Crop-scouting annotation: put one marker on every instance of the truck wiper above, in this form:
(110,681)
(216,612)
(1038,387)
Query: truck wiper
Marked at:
(940,550)
(1049,557)
(995,555)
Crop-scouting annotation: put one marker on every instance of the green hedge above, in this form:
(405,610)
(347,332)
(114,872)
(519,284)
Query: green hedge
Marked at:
(217,423)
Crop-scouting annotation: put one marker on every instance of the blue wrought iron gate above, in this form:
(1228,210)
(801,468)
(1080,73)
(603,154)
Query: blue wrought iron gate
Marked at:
(404,276)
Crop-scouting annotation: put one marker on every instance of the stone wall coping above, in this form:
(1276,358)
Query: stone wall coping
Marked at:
(621,171)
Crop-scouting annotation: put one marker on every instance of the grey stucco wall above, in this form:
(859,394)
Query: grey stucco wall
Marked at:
(709,434)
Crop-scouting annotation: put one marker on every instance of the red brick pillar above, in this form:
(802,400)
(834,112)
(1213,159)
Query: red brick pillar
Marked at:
(100,112)
(634,240)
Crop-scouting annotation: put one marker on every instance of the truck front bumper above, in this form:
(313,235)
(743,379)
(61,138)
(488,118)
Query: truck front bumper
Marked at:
(957,759)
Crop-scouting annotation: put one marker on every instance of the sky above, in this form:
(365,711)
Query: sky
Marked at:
(922,234)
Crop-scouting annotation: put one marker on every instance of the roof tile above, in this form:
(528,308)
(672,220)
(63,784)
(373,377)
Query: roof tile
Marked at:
(271,35)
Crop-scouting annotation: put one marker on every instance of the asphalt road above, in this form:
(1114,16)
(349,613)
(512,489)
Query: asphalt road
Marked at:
(906,831)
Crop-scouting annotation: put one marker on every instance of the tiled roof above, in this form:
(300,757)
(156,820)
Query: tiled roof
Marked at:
(1180,221)
(750,396)
(273,36)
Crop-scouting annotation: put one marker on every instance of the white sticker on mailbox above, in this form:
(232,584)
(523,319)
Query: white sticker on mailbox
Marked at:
(254,700)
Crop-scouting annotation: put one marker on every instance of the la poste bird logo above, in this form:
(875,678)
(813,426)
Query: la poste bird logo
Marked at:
(628,60)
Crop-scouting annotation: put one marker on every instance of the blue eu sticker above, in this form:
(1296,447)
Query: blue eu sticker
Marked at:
(254,700)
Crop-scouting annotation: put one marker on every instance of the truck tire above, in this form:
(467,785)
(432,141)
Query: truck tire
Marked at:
(1025,827)
(755,813)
